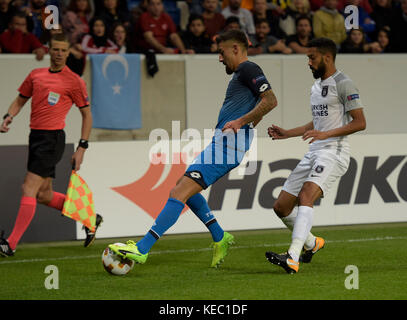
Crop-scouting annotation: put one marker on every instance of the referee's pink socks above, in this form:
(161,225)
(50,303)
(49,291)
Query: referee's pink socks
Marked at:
(24,217)
(57,201)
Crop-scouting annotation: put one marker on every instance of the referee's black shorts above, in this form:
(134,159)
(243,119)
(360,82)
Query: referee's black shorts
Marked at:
(45,150)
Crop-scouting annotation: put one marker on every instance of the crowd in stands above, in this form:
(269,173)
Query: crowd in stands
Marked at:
(140,26)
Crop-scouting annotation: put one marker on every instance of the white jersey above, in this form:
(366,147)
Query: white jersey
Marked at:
(331,101)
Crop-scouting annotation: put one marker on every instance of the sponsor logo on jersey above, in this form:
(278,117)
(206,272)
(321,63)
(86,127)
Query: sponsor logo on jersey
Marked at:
(264,87)
(320,110)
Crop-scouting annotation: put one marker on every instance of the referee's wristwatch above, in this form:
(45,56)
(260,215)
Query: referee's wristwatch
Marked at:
(7,115)
(83,144)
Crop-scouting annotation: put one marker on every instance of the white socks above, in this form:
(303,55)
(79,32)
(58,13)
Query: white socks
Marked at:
(289,221)
(301,231)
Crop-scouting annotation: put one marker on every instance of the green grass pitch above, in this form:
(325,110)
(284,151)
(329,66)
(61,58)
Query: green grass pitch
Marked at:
(178,268)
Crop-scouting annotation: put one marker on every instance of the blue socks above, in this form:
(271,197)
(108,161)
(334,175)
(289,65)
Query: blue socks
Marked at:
(165,220)
(199,206)
(169,216)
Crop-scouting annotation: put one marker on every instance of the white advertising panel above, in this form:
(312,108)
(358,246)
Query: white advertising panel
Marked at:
(130,192)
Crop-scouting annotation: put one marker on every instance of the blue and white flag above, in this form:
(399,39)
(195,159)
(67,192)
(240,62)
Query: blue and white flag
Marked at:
(116,101)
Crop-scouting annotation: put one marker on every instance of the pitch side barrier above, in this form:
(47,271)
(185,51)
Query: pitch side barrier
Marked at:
(130,190)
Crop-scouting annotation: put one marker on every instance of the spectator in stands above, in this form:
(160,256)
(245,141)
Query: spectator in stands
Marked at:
(298,42)
(263,42)
(329,23)
(261,11)
(383,39)
(232,23)
(365,22)
(399,28)
(214,21)
(112,13)
(382,13)
(76,20)
(356,43)
(6,13)
(17,39)
(100,6)
(155,27)
(294,9)
(97,40)
(19,4)
(281,4)
(245,4)
(195,38)
(195,7)
(317,4)
(120,38)
(137,11)
(244,15)
(35,10)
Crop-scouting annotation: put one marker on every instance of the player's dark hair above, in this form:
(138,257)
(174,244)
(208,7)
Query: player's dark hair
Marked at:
(323,45)
(234,35)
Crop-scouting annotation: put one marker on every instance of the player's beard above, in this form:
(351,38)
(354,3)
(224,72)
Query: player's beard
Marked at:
(319,71)
(228,70)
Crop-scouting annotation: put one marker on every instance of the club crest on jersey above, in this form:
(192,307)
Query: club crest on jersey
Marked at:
(324,91)
(53,98)
(319,169)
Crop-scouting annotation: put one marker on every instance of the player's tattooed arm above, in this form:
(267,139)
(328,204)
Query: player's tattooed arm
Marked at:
(267,103)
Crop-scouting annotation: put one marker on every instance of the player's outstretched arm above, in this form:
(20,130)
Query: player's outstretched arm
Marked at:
(13,110)
(277,133)
(358,123)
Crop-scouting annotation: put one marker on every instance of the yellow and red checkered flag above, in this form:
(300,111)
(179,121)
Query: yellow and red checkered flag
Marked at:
(79,202)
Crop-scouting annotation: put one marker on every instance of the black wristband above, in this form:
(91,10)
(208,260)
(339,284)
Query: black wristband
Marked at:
(83,144)
(7,115)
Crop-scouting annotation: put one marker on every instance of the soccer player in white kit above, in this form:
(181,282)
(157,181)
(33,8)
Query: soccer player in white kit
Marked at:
(337,111)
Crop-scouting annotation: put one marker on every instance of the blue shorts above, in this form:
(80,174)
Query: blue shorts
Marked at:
(224,153)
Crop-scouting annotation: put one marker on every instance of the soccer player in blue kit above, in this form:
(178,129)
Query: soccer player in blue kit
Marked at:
(249,97)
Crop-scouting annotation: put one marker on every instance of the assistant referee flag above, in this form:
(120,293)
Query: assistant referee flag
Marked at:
(79,202)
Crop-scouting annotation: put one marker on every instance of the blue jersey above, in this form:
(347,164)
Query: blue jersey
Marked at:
(227,149)
(243,92)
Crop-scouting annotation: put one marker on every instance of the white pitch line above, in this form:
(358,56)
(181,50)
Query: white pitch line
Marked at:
(197,250)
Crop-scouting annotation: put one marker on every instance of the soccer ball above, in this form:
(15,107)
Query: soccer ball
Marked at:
(114,264)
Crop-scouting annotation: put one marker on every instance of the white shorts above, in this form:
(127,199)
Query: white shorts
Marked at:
(322,167)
